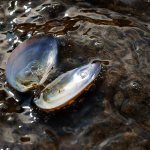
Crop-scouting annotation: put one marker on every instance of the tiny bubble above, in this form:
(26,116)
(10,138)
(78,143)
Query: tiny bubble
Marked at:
(28,73)
(83,74)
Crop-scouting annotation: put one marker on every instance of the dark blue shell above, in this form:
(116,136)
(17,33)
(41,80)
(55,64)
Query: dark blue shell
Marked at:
(30,63)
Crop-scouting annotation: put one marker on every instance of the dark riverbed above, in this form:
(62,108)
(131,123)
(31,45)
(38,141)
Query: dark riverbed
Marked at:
(115,113)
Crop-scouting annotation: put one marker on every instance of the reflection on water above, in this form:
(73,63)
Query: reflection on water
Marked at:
(114,113)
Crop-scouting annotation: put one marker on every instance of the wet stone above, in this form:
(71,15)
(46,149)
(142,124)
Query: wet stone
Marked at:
(118,99)
(10,106)
(25,139)
(3,95)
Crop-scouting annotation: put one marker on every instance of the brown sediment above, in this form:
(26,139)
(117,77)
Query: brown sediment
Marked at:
(68,24)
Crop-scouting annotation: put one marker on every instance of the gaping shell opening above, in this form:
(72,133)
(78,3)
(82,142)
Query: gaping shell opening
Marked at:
(32,61)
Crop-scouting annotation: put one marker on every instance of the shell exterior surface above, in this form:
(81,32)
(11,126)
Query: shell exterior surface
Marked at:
(30,63)
(67,87)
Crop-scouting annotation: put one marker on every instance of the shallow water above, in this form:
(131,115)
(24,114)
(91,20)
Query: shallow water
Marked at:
(115,113)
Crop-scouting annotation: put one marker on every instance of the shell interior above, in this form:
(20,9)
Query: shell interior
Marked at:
(30,63)
(67,87)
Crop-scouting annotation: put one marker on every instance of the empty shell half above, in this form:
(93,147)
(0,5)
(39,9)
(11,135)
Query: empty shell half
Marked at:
(30,63)
(67,87)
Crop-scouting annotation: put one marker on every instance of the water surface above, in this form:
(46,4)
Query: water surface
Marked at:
(115,113)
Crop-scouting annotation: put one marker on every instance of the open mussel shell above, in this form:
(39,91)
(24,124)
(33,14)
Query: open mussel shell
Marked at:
(30,63)
(67,87)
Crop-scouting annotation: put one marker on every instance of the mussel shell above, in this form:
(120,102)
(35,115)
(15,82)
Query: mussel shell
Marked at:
(67,87)
(30,63)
